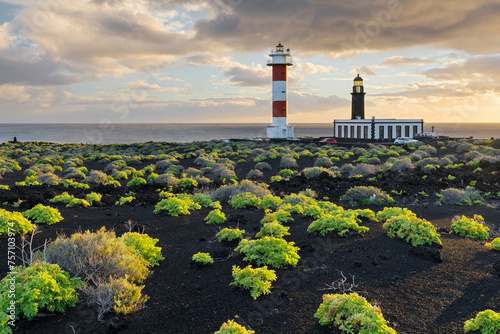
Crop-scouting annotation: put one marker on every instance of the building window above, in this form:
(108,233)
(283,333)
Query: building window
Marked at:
(389,132)
(352,132)
(415,129)
(381,134)
(398,131)
(339,130)
(407,131)
(359,132)
(365,134)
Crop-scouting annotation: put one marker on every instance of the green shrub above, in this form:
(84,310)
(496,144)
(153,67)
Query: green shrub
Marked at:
(41,287)
(470,227)
(488,322)
(126,296)
(286,172)
(412,229)
(125,200)
(74,184)
(175,206)
(93,197)
(203,200)
(469,196)
(495,244)
(144,245)
(215,217)
(280,216)
(341,223)
(4,187)
(270,202)
(96,256)
(78,202)
(231,327)
(203,258)
(14,222)
(273,229)
(257,280)
(230,234)
(391,212)
(63,198)
(353,314)
(272,251)
(136,181)
(362,195)
(187,182)
(313,211)
(244,200)
(43,215)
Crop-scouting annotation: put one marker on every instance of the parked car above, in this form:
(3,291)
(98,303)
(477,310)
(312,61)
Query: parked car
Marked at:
(404,140)
(328,141)
(425,136)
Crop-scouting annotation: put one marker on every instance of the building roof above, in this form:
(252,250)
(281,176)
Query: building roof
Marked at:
(358,78)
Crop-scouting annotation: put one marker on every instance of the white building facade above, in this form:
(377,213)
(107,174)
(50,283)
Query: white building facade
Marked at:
(377,129)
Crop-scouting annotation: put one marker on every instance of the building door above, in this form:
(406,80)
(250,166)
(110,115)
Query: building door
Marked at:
(346,131)
(398,131)
(415,130)
(365,132)
(381,134)
(339,132)
(389,132)
(407,131)
(359,132)
(352,132)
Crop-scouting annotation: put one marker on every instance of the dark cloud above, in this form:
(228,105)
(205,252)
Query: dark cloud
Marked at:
(36,73)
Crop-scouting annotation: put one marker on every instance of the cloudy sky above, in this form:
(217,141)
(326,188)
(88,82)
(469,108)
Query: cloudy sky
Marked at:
(178,61)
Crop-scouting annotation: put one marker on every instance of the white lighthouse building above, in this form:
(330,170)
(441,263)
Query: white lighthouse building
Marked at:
(280,60)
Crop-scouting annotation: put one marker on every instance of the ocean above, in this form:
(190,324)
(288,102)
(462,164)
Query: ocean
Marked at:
(120,133)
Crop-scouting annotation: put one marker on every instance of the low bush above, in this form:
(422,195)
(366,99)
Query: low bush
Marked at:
(323,162)
(244,201)
(254,174)
(353,314)
(230,234)
(14,222)
(257,280)
(273,229)
(125,200)
(215,216)
(272,251)
(341,223)
(63,198)
(43,215)
(487,322)
(226,192)
(412,229)
(270,202)
(93,198)
(97,177)
(136,181)
(96,256)
(203,200)
(231,327)
(41,287)
(202,258)
(143,245)
(362,195)
(263,166)
(313,172)
(470,227)
(387,213)
(281,216)
(175,206)
(495,244)
(288,161)
(469,196)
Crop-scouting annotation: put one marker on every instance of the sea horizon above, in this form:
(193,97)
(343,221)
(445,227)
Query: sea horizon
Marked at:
(127,133)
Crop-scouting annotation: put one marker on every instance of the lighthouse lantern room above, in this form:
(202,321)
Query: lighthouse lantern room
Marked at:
(280,60)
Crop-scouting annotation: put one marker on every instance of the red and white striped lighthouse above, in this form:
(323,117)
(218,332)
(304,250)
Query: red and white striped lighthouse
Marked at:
(280,60)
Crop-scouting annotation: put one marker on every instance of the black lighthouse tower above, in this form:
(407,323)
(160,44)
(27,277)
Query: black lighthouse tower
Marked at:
(358,99)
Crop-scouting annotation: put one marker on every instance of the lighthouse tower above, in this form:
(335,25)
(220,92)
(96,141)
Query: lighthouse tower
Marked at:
(358,99)
(280,60)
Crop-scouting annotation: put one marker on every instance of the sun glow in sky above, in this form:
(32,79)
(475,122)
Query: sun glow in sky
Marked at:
(183,61)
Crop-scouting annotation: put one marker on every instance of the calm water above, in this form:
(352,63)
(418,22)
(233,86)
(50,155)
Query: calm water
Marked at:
(134,133)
